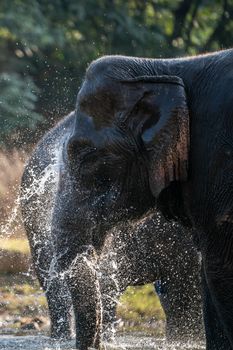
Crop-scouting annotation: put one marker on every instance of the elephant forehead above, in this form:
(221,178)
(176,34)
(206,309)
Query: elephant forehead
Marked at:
(120,67)
(102,91)
(98,80)
(99,101)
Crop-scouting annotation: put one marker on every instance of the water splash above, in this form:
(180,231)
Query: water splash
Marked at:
(9,228)
(38,187)
(122,342)
(108,264)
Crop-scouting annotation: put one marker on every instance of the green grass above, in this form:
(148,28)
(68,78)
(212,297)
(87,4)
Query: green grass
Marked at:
(140,309)
(140,303)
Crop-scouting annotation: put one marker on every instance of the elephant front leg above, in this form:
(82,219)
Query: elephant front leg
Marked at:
(216,339)
(85,291)
(182,305)
(111,288)
(55,288)
(219,280)
(60,309)
(110,298)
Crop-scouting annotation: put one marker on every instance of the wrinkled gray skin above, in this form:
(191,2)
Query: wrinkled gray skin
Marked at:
(85,258)
(147,250)
(149,107)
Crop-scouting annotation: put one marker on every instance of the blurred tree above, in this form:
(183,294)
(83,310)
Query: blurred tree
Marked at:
(51,42)
(17,104)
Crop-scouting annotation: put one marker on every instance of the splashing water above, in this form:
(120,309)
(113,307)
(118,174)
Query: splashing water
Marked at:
(38,187)
(106,270)
(8,228)
(122,342)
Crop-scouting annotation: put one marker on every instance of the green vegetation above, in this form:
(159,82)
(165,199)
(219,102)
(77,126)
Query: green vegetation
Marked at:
(17,105)
(140,310)
(140,304)
(46,45)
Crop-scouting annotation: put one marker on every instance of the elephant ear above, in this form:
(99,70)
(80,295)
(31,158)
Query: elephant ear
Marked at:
(157,113)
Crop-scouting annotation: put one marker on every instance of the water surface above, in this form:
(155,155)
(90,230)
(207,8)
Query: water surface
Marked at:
(124,342)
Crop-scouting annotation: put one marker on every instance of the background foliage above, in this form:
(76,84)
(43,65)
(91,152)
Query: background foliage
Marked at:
(45,47)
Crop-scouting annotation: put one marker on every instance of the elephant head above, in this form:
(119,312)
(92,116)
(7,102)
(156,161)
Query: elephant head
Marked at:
(110,167)
(143,119)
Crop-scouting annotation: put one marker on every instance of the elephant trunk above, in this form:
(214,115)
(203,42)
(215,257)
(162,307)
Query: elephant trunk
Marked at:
(85,291)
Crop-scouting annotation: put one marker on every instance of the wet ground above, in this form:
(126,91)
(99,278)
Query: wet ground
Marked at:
(124,341)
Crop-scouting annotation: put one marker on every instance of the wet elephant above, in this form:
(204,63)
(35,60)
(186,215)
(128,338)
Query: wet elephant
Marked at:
(171,126)
(80,238)
(147,250)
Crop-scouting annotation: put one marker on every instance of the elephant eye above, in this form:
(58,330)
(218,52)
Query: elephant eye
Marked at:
(79,148)
(87,151)
(228,151)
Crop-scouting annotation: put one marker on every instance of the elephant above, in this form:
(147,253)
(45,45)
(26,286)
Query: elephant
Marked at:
(149,250)
(87,251)
(168,124)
